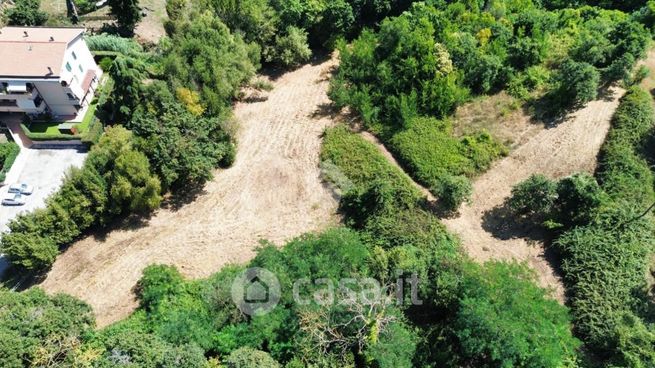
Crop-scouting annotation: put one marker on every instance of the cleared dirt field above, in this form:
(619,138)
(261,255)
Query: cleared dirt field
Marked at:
(570,147)
(273,192)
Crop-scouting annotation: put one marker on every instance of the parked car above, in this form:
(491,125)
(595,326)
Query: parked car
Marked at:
(13,200)
(21,188)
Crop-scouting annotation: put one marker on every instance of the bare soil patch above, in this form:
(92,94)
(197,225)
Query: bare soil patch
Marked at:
(485,229)
(273,191)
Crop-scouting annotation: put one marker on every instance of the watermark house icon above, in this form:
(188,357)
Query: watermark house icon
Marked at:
(257,292)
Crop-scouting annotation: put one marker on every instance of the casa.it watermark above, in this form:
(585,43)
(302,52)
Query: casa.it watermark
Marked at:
(257,291)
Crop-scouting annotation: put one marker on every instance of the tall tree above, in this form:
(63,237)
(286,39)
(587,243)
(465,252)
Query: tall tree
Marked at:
(127,13)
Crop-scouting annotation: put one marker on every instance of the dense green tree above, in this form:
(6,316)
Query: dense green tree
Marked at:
(29,250)
(25,13)
(505,320)
(291,49)
(534,197)
(40,329)
(127,13)
(250,358)
(183,148)
(204,54)
(578,83)
(128,77)
(453,191)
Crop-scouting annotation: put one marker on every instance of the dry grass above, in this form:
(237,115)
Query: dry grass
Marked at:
(273,191)
(501,115)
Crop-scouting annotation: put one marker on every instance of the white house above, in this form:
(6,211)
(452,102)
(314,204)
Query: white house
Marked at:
(46,70)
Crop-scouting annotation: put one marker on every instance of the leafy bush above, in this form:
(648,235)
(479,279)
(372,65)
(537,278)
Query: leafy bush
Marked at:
(453,191)
(534,197)
(25,13)
(622,172)
(204,54)
(115,178)
(505,320)
(109,42)
(359,161)
(250,358)
(605,261)
(291,49)
(429,151)
(8,153)
(604,265)
(578,83)
(41,329)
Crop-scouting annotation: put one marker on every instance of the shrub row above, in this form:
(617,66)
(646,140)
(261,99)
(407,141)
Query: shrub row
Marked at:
(515,322)
(114,180)
(606,261)
(606,240)
(8,153)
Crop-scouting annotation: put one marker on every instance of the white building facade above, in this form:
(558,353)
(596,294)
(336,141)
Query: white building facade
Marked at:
(46,71)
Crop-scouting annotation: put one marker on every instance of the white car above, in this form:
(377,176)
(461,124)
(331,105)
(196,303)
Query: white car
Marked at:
(15,199)
(21,189)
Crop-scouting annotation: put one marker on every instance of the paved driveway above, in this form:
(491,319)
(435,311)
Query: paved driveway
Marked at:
(44,169)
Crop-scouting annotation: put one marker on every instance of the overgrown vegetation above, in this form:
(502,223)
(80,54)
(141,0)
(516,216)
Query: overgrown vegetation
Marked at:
(403,78)
(407,78)
(116,179)
(25,13)
(606,238)
(8,153)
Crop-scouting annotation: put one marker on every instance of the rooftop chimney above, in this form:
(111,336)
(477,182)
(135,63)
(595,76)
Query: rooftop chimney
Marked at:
(24,33)
(50,70)
(52,38)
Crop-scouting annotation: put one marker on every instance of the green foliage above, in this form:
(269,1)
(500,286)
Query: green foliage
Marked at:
(109,42)
(291,49)
(37,328)
(505,320)
(25,13)
(604,265)
(578,82)
(360,161)
(250,358)
(127,75)
(29,251)
(183,148)
(127,13)
(453,191)
(115,178)
(8,153)
(204,54)
(130,184)
(622,171)
(534,197)
(429,151)
(605,260)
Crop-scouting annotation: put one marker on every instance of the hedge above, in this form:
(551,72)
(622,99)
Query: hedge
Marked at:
(8,153)
(606,261)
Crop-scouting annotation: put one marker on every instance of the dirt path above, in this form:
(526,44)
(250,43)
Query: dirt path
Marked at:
(570,147)
(272,192)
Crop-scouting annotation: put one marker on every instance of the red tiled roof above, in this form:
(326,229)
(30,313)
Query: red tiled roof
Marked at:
(30,55)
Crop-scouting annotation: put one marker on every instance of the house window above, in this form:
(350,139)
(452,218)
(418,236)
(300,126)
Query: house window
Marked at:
(74,56)
(69,67)
(71,96)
